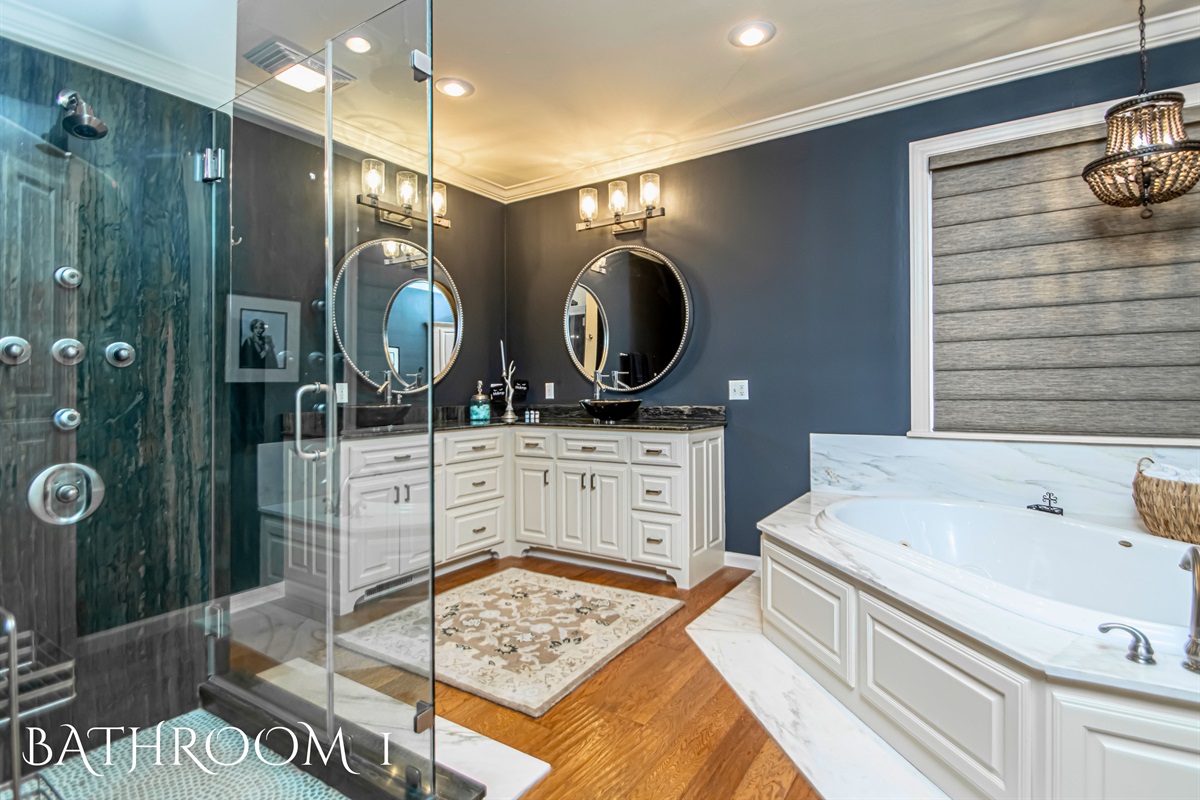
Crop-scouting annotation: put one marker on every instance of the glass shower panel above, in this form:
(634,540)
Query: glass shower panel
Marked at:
(387,287)
(106,395)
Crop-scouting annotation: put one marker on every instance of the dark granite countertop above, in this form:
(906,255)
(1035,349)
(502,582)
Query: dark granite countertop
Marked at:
(665,419)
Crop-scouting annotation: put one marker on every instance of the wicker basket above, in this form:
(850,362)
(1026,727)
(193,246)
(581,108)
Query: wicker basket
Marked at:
(1169,508)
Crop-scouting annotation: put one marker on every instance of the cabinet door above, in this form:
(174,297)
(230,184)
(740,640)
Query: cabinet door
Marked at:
(416,509)
(534,486)
(714,489)
(698,506)
(573,506)
(609,490)
(372,530)
(1114,748)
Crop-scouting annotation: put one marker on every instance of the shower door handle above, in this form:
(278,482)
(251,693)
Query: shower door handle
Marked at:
(298,444)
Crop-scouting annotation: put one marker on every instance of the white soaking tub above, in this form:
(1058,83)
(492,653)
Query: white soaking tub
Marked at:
(1070,574)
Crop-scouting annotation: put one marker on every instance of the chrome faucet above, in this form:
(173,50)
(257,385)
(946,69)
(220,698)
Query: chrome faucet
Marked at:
(616,379)
(1191,562)
(597,385)
(1047,505)
(386,387)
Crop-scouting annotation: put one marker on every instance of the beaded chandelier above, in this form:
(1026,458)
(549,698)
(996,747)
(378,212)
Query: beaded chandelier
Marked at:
(1148,158)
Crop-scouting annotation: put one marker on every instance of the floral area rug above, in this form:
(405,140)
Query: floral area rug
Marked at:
(518,638)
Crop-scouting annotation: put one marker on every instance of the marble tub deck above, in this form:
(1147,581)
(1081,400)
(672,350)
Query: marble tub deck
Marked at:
(1057,653)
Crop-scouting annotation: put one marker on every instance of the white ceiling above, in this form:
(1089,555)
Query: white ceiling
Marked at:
(571,89)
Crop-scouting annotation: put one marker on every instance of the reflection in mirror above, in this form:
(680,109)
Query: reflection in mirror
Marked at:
(587,329)
(407,330)
(381,314)
(628,315)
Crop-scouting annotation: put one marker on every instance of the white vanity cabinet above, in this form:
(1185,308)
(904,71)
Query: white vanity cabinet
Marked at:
(643,499)
(649,499)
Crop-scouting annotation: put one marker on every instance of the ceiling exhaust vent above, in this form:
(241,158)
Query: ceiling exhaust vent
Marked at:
(277,56)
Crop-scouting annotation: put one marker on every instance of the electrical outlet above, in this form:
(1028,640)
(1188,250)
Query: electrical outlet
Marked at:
(343,393)
(739,390)
(549,391)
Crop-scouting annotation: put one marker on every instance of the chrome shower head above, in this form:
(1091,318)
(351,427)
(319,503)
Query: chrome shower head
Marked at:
(79,120)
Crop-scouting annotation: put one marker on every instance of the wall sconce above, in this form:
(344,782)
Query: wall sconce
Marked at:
(437,202)
(398,252)
(374,187)
(621,221)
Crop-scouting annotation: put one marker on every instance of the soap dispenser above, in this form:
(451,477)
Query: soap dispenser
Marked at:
(481,406)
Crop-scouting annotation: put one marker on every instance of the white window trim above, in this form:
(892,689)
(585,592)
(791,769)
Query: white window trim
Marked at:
(920,202)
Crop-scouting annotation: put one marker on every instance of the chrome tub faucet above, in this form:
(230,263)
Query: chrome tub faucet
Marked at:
(1191,562)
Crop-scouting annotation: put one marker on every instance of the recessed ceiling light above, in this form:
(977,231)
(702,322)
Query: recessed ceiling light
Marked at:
(302,78)
(454,87)
(358,44)
(752,34)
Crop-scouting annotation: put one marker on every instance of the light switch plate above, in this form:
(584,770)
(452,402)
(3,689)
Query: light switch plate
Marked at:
(343,393)
(739,390)
(549,391)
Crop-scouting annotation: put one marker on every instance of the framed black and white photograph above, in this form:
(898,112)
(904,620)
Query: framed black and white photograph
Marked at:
(262,341)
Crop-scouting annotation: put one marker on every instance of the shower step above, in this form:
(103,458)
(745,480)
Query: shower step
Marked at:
(45,676)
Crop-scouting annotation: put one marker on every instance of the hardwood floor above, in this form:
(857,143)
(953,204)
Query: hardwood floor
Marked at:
(656,723)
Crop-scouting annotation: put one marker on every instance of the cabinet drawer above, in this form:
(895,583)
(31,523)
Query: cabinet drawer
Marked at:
(658,490)
(474,528)
(472,447)
(811,608)
(658,449)
(657,539)
(474,481)
(969,712)
(535,443)
(592,447)
(386,455)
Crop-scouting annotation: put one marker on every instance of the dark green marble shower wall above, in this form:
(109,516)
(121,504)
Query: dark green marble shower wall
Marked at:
(142,231)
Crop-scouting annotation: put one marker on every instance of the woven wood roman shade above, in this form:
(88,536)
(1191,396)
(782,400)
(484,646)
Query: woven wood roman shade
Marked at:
(1054,313)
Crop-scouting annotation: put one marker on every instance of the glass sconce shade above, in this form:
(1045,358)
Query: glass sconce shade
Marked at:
(618,197)
(1148,157)
(589,204)
(649,190)
(391,249)
(437,199)
(407,189)
(374,177)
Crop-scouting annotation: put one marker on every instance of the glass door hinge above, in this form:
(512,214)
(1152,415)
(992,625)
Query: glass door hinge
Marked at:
(216,621)
(210,165)
(423,719)
(422,66)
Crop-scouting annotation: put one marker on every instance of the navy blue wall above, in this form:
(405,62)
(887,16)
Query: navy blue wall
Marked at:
(802,287)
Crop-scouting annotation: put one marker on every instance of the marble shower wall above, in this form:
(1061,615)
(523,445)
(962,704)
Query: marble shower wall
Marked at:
(139,227)
(1090,480)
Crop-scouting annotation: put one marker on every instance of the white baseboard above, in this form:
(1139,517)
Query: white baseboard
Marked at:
(743,561)
(255,597)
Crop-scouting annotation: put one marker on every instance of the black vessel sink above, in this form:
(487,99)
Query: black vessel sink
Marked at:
(374,416)
(611,410)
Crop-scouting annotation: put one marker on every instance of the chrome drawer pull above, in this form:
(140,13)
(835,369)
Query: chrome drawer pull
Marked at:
(479,483)
(529,445)
(654,541)
(479,447)
(653,492)
(404,457)
(546,477)
(480,530)
(588,448)
(654,452)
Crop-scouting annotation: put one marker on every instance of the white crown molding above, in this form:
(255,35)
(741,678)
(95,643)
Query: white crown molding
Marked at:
(1163,30)
(30,25)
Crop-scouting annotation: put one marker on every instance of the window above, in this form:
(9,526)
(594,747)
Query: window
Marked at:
(1038,310)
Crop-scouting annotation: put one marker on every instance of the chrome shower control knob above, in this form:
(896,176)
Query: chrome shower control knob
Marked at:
(14,350)
(68,352)
(68,277)
(67,419)
(68,493)
(120,354)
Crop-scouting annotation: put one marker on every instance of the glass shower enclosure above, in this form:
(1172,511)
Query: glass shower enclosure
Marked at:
(187,524)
